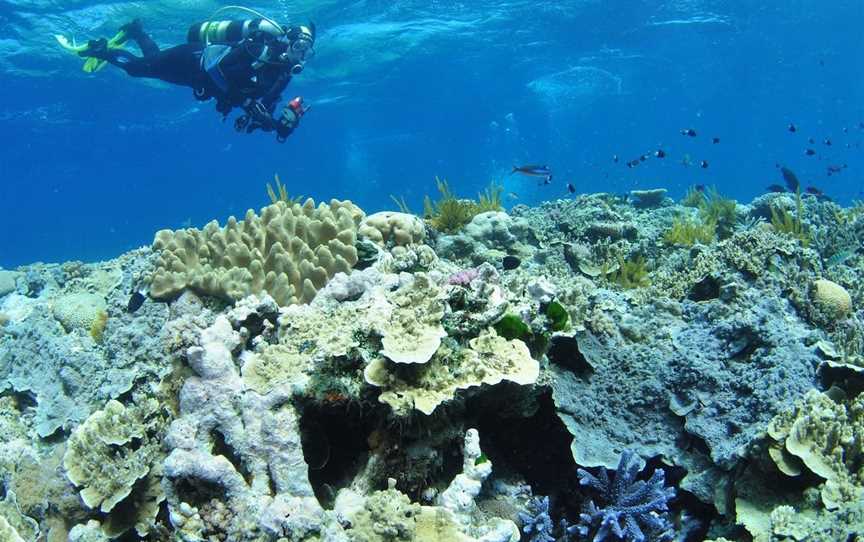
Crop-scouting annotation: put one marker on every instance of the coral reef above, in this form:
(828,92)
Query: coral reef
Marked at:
(311,373)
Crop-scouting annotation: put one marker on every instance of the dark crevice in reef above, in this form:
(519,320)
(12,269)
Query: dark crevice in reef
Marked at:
(705,290)
(198,493)
(335,447)
(221,447)
(535,448)
(564,352)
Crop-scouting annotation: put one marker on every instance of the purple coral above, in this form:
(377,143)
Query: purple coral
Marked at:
(635,510)
(463,278)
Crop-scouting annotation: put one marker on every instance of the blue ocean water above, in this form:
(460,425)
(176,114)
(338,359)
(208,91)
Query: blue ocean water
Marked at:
(402,91)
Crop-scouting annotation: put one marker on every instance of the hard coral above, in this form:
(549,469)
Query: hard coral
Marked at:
(290,251)
(635,509)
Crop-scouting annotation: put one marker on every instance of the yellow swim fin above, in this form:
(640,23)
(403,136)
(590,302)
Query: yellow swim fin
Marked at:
(92,64)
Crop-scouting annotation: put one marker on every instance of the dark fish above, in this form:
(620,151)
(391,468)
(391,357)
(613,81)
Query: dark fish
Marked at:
(792,128)
(819,194)
(571,188)
(790,178)
(135,301)
(810,140)
(643,157)
(660,153)
(835,169)
(633,163)
(699,187)
(703,164)
(715,140)
(827,141)
(510,262)
(615,158)
(845,130)
(809,152)
(690,132)
(534,171)
(775,188)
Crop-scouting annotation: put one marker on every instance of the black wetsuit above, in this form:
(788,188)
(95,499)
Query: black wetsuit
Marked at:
(243,80)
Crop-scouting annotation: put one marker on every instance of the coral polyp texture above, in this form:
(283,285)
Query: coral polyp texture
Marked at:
(289,251)
(602,368)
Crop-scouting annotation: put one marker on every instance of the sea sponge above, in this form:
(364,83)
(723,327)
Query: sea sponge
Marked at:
(108,453)
(290,251)
(79,311)
(391,228)
(830,299)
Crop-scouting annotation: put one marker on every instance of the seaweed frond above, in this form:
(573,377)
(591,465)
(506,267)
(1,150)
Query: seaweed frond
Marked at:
(695,197)
(490,199)
(449,214)
(784,222)
(686,232)
(720,211)
(401,204)
(281,192)
(631,273)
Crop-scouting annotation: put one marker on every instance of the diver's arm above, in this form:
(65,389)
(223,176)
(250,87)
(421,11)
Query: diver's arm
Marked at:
(260,117)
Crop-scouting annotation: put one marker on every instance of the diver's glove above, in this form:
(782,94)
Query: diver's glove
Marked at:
(291,115)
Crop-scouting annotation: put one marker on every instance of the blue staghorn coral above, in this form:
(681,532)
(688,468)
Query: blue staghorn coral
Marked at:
(538,526)
(635,510)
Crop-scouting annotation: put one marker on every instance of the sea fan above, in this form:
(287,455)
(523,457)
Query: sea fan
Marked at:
(635,510)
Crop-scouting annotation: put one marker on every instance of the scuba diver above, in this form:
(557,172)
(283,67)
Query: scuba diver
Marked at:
(241,64)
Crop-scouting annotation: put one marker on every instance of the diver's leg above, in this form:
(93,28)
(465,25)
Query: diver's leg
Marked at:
(180,65)
(136,32)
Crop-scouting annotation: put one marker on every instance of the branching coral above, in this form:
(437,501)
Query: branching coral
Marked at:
(537,523)
(635,510)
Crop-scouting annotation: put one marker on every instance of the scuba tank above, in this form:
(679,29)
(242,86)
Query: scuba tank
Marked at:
(230,31)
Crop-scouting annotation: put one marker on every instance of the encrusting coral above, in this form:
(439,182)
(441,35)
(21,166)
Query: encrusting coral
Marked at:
(290,251)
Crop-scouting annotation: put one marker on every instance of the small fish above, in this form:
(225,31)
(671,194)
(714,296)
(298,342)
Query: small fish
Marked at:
(792,128)
(643,157)
(510,262)
(615,158)
(845,130)
(512,195)
(827,141)
(791,179)
(571,188)
(812,190)
(811,140)
(833,168)
(690,132)
(775,188)
(534,171)
(809,152)
(135,301)
(660,153)
(699,187)
(703,164)
(715,140)
(632,163)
